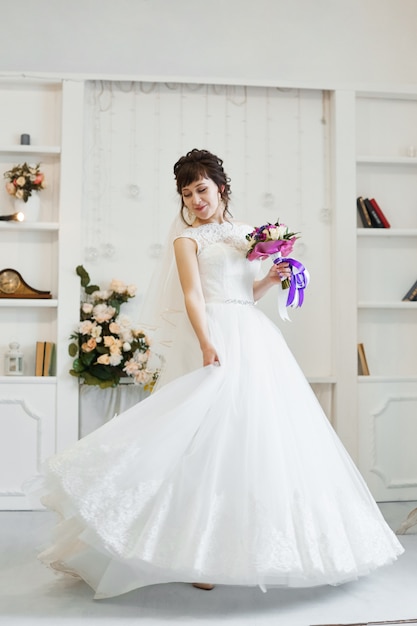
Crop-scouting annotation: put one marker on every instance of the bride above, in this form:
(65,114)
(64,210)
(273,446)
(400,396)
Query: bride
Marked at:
(229,473)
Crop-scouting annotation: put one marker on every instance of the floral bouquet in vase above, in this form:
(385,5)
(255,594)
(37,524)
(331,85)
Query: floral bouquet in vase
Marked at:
(106,347)
(23,179)
(275,241)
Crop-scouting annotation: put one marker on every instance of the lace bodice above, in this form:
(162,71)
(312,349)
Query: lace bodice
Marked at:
(225,272)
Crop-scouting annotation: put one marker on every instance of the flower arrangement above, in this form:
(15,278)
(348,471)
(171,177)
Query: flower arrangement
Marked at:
(276,241)
(23,179)
(105,346)
(271,240)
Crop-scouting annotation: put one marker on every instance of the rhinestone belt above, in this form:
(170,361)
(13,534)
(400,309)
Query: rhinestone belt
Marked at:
(239,302)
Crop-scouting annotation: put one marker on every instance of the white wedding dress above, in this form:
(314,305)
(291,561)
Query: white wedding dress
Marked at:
(227,475)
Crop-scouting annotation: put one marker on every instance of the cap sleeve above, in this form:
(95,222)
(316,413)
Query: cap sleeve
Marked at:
(191,233)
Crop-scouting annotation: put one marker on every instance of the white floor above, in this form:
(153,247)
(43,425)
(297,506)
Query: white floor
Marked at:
(31,594)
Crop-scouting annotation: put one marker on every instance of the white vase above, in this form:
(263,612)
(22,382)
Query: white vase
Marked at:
(30,209)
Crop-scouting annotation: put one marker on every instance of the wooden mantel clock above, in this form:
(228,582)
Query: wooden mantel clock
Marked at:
(13,285)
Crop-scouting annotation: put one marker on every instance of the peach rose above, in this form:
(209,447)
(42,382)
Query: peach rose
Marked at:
(89,345)
(143,377)
(117,286)
(131,367)
(110,342)
(104,359)
(85,327)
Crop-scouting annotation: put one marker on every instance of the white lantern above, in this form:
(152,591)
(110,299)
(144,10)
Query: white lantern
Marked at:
(13,360)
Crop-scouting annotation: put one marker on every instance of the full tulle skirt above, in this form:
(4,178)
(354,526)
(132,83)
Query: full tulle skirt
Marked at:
(228,474)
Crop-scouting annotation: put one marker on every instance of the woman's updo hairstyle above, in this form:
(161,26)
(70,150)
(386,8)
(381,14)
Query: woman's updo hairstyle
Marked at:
(198,164)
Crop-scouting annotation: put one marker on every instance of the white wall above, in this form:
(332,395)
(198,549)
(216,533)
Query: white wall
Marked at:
(323,43)
(274,143)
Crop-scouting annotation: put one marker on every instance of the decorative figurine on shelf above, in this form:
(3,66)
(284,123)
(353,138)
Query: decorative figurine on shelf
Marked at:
(13,285)
(13,360)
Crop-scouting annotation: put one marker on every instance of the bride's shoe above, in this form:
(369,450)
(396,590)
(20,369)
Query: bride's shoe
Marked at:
(205,586)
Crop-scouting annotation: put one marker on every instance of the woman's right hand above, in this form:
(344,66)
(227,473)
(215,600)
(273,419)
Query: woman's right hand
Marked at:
(210,356)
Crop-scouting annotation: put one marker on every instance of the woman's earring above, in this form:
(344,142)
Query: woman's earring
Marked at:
(190,216)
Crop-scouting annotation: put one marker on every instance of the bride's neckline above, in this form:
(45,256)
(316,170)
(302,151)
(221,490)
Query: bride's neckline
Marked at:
(213,224)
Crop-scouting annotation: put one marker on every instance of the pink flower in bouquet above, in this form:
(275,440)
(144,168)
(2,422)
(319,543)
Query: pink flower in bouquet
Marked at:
(270,239)
(264,249)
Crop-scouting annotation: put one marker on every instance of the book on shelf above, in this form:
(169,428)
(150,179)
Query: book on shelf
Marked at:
(363,369)
(380,213)
(375,219)
(363,213)
(45,358)
(371,213)
(40,352)
(49,359)
(411,295)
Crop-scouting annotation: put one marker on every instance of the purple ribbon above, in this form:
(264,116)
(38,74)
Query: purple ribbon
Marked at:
(298,281)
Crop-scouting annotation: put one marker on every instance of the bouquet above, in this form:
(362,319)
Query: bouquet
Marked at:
(271,240)
(23,179)
(276,241)
(105,346)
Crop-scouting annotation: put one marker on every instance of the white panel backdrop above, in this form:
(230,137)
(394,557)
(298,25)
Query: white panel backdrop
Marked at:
(274,143)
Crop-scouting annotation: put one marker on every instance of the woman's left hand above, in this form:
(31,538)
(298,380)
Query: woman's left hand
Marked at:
(279,272)
(275,275)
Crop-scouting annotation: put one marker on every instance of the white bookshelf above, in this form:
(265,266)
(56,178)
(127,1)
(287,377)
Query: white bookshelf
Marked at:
(40,414)
(386,267)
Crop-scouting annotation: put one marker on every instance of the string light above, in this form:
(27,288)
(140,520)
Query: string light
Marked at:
(245,157)
(302,248)
(101,190)
(133,189)
(206,117)
(106,247)
(93,182)
(155,249)
(326,212)
(226,128)
(234,93)
(181,125)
